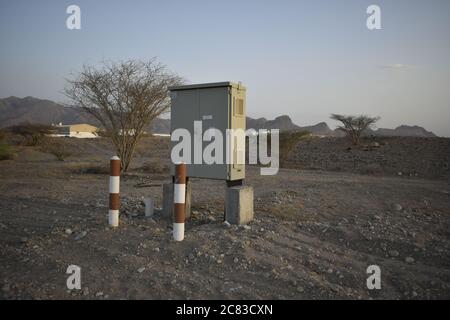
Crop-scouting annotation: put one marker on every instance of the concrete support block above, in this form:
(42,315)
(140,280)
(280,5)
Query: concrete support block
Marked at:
(239,205)
(188,200)
(167,210)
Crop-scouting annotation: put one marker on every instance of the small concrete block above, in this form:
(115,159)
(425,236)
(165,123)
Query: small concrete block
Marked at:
(239,205)
(167,210)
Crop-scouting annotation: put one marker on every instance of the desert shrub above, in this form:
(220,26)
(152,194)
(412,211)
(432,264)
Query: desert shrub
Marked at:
(56,148)
(288,140)
(125,97)
(33,134)
(5,152)
(102,168)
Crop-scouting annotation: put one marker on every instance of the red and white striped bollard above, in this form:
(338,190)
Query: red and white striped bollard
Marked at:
(114,190)
(179,199)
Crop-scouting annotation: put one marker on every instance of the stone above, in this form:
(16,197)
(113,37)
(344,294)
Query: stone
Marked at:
(397,207)
(81,235)
(239,205)
(140,270)
(409,260)
(68,231)
(393,253)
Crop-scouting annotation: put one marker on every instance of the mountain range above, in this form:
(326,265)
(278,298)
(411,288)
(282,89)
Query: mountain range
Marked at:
(14,110)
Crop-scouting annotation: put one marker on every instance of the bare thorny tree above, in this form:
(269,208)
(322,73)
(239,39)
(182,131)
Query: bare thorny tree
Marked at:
(124,97)
(353,126)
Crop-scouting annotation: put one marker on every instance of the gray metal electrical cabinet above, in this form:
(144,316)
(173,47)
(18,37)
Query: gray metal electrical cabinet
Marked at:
(219,105)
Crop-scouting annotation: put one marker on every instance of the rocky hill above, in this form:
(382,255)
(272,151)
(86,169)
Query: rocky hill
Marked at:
(14,110)
(405,131)
(284,123)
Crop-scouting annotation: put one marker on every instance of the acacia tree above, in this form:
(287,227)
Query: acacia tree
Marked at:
(353,126)
(124,97)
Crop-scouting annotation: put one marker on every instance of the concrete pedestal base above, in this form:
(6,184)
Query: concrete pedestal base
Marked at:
(167,209)
(239,205)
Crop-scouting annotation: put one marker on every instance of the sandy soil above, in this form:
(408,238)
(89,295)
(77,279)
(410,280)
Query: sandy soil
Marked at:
(314,233)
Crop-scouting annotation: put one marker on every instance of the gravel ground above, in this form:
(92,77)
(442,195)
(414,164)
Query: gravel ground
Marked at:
(313,237)
(392,156)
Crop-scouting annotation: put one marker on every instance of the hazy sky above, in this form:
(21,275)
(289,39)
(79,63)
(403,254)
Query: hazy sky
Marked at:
(306,59)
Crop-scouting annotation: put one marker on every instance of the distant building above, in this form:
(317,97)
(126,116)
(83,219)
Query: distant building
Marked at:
(81,130)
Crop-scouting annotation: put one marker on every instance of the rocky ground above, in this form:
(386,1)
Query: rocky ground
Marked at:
(393,156)
(314,235)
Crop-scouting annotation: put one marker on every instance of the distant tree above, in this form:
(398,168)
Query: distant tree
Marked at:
(33,134)
(354,125)
(124,97)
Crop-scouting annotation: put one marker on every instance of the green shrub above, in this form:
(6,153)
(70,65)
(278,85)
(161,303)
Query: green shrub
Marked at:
(5,152)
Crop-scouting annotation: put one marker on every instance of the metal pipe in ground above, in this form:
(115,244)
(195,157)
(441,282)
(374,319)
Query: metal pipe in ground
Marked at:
(148,207)
(114,190)
(179,199)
